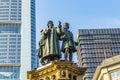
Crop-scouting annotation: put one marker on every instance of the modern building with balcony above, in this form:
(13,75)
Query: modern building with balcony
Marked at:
(108,70)
(94,46)
(17,39)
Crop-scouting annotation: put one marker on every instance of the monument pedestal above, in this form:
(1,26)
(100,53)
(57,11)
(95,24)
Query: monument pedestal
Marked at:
(57,70)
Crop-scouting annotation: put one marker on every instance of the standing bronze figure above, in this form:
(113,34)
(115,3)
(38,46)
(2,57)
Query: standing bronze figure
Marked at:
(49,44)
(49,47)
(68,45)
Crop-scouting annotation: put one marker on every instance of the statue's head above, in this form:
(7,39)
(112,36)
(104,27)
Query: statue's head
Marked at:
(50,24)
(66,25)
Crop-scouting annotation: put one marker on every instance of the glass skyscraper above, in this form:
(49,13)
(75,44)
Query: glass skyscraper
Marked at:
(17,39)
(94,46)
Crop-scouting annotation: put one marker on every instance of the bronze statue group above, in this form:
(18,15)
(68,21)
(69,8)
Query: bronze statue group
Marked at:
(49,46)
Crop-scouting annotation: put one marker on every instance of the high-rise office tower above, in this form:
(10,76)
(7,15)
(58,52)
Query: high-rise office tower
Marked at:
(17,39)
(96,45)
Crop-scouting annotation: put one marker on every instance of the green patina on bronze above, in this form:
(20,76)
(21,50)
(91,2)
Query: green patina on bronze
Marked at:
(49,44)
(49,47)
(68,44)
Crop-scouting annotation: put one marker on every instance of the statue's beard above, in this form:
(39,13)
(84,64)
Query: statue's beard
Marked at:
(50,27)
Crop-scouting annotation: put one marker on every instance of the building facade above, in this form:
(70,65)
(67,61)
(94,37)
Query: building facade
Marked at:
(57,70)
(108,70)
(94,46)
(17,39)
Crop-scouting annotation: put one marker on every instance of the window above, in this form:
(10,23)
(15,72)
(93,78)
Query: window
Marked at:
(70,76)
(3,42)
(115,74)
(74,78)
(12,42)
(13,0)
(10,28)
(5,70)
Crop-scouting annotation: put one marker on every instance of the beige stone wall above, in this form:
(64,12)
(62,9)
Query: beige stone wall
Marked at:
(60,69)
(103,72)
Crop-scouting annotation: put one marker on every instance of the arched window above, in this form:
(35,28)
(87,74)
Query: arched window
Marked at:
(47,78)
(53,77)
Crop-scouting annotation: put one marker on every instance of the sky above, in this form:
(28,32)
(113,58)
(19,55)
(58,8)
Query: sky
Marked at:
(80,14)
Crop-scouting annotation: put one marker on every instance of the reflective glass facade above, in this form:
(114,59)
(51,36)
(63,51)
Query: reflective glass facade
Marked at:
(10,10)
(33,37)
(95,45)
(115,75)
(17,39)
(10,73)
(10,28)
(10,49)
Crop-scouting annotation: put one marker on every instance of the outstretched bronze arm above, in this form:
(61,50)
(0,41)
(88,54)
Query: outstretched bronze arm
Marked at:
(59,25)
